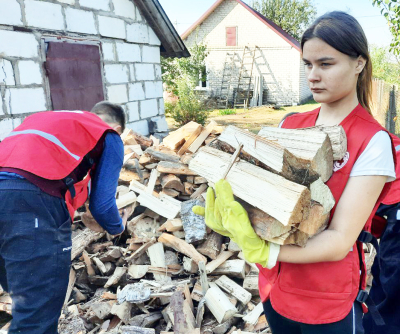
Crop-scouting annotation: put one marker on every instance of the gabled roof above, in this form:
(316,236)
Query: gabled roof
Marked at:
(277,29)
(171,43)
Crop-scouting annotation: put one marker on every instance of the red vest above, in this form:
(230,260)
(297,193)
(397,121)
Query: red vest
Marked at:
(52,144)
(324,292)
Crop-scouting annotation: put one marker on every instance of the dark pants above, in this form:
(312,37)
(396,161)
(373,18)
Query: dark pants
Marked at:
(385,291)
(352,324)
(35,255)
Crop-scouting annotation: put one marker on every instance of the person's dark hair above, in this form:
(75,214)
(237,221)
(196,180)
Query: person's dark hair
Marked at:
(113,112)
(343,32)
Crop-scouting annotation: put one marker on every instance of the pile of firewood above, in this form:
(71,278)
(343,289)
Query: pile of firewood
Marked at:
(168,271)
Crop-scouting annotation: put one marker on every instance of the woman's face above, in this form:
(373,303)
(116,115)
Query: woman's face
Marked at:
(332,75)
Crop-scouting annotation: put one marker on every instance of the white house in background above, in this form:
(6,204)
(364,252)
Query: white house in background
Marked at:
(71,54)
(227,28)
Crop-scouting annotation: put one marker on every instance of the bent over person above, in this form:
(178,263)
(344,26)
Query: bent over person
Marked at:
(47,165)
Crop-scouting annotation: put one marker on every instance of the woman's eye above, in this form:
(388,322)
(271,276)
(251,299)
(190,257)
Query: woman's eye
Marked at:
(307,64)
(325,64)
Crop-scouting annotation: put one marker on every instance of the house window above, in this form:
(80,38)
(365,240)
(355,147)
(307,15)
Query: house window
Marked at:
(231,36)
(74,74)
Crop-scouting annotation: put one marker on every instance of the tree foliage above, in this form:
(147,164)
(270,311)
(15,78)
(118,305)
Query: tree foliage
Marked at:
(391,10)
(293,16)
(385,66)
(191,69)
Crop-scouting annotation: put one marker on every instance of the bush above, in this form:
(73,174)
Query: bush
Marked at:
(188,107)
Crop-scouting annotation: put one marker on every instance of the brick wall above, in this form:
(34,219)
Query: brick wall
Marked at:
(280,63)
(129,48)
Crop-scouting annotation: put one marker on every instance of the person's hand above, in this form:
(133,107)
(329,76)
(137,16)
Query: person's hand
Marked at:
(89,221)
(235,220)
(211,214)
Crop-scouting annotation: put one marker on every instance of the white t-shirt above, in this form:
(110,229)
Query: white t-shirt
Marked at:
(377,158)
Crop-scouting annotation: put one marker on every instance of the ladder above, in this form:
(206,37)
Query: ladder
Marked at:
(227,76)
(242,97)
(267,76)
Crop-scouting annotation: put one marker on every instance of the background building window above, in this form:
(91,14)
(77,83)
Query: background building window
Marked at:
(231,36)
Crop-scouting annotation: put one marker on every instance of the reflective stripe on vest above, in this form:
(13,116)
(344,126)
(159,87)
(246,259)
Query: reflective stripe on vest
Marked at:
(47,136)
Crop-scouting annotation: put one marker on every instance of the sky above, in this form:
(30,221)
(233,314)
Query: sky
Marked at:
(183,13)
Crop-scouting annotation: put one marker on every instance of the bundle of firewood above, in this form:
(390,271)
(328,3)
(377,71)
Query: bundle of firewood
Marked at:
(168,271)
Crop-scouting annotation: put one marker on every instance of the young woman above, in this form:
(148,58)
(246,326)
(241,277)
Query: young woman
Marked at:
(315,289)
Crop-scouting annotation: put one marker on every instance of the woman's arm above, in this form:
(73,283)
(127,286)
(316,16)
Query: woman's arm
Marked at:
(353,210)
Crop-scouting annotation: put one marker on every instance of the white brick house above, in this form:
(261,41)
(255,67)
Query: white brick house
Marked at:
(230,25)
(71,54)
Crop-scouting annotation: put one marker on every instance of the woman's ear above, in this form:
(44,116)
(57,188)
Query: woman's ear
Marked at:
(361,62)
(118,129)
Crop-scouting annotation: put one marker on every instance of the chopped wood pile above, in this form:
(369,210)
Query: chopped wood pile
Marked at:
(169,272)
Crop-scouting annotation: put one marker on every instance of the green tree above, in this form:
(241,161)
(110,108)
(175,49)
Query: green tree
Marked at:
(391,10)
(384,65)
(191,68)
(293,16)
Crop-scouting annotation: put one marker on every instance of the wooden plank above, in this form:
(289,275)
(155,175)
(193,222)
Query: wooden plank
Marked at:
(141,250)
(126,200)
(152,181)
(202,137)
(196,132)
(203,277)
(157,259)
(284,200)
(116,276)
(313,146)
(71,283)
(182,247)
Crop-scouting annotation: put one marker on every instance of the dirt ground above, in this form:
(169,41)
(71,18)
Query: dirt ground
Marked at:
(252,119)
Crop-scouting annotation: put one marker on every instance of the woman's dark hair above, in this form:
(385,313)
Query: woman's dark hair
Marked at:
(113,112)
(343,32)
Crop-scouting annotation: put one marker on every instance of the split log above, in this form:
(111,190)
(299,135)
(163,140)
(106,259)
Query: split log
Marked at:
(82,240)
(212,246)
(284,200)
(171,181)
(199,191)
(152,182)
(174,168)
(116,276)
(141,250)
(233,268)
(250,284)
(163,156)
(199,180)
(157,258)
(138,271)
(182,247)
(203,277)
(71,283)
(189,265)
(123,311)
(219,304)
(185,159)
(338,139)
(271,155)
(234,289)
(264,225)
(196,132)
(126,200)
(145,320)
(193,225)
(171,225)
(88,263)
(170,192)
(189,188)
(312,146)
(252,317)
(178,137)
(202,137)
(128,137)
(163,205)
(147,159)
(221,258)
(321,193)
(128,175)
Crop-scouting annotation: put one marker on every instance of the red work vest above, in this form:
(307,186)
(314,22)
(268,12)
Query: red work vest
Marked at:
(324,292)
(52,144)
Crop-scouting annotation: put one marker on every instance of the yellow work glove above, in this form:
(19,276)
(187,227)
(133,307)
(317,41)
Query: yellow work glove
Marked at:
(211,214)
(236,221)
